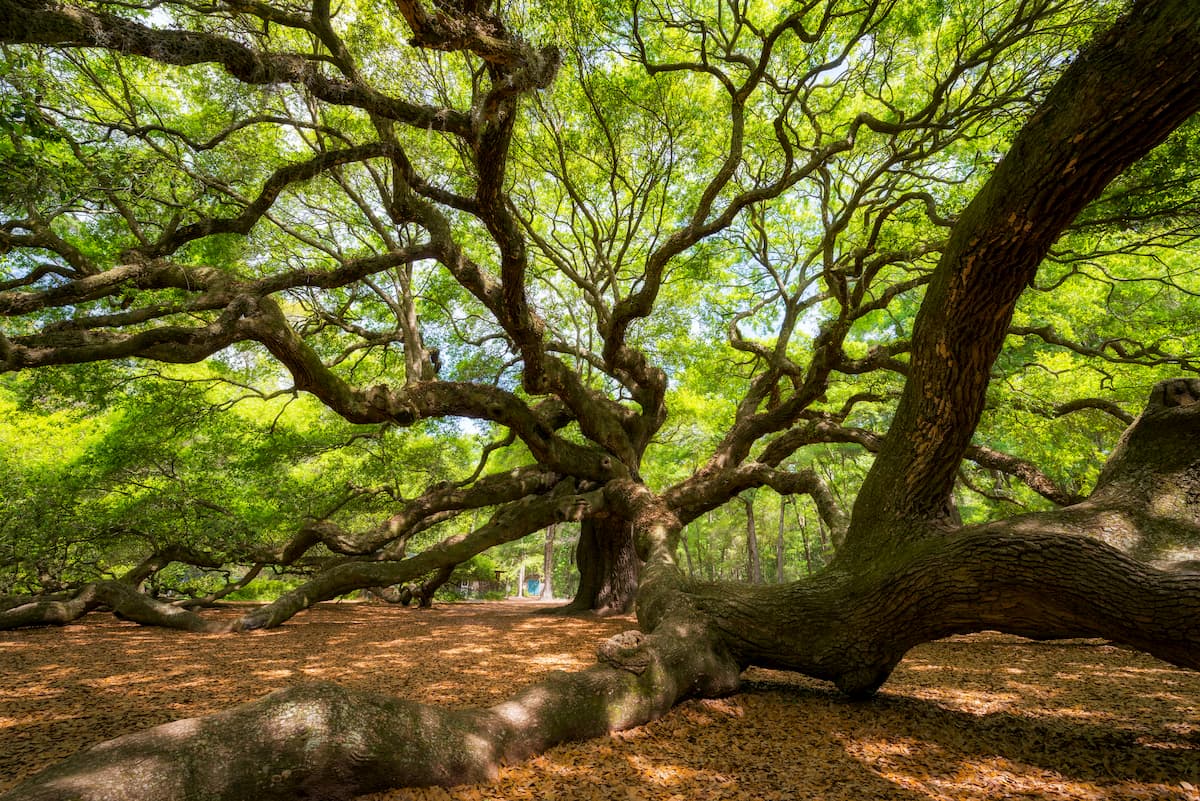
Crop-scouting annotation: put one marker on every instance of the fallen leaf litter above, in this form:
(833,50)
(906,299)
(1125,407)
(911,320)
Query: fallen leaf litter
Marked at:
(981,717)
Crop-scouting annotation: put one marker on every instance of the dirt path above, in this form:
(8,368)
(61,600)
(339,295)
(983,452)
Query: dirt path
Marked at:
(980,717)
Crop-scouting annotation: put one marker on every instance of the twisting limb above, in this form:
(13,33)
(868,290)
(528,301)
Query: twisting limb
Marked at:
(691,498)
(41,22)
(328,742)
(1100,117)
(119,596)
(438,503)
(1106,406)
(1117,351)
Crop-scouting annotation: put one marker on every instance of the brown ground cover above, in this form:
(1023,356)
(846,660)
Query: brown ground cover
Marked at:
(979,717)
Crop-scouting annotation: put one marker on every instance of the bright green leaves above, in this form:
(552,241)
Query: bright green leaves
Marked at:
(36,165)
(190,461)
(775,180)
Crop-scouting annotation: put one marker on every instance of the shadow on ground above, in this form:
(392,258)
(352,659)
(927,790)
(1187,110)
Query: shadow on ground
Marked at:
(979,717)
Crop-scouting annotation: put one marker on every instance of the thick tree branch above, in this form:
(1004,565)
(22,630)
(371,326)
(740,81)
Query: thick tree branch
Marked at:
(1023,580)
(699,494)
(437,504)
(827,429)
(41,22)
(1119,99)
(1117,351)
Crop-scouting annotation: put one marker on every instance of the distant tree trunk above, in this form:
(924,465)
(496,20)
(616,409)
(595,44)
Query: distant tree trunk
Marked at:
(687,553)
(803,525)
(753,558)
(708,562)
(608,567)
(547,592)
(521,581)
(399,594)
(779,578)
(424,592)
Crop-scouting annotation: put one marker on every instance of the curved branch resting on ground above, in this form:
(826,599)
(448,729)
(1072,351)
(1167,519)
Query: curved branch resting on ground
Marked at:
(918,580)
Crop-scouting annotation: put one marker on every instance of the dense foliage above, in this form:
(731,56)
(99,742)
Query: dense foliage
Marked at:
(693,237)
(657,278)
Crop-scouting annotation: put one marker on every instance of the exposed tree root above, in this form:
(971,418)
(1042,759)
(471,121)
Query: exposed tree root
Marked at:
(322,741)
(122,598)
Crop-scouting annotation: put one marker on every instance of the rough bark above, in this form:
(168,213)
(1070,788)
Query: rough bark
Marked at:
(608,567)
(1010,578)
(1119,99)
(165,556)
(48,23)
(230,587)
(1032,575)
(1147,500)
(401,595)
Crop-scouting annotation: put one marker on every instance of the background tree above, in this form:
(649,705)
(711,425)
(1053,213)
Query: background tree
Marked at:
(846,186)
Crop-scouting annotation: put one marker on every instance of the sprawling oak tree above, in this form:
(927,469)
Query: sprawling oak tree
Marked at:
(421,212)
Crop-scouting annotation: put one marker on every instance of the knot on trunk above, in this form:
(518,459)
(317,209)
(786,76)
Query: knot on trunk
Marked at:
(1174,393)
(626,651)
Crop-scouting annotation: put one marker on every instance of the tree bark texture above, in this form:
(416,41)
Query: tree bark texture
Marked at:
(1120,98)
(903,577)
(608,567)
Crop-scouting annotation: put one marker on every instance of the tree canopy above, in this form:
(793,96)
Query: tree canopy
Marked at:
(911,260)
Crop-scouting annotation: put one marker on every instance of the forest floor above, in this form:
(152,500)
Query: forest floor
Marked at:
(979,717)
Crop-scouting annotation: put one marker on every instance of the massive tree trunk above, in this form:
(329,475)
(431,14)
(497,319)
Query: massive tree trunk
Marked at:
(904,575)
(1026,576)
(1121,97)
(608,567)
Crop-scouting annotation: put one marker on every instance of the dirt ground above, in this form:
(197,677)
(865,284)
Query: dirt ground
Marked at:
(980,717)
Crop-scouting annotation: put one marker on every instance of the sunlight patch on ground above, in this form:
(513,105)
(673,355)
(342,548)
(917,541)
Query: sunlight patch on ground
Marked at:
(975,701)
(44,718)
(274,674)
(955,716)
